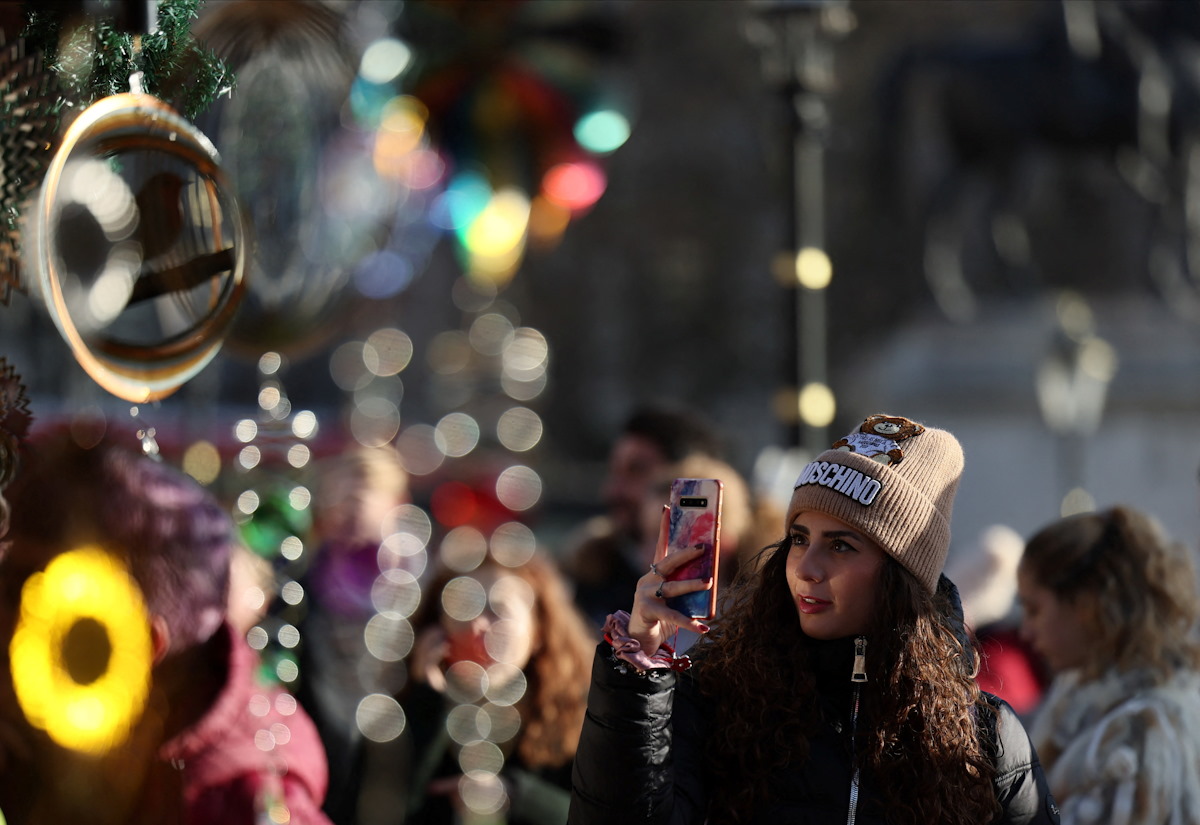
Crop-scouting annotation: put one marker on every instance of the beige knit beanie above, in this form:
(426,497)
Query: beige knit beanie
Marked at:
(895,480)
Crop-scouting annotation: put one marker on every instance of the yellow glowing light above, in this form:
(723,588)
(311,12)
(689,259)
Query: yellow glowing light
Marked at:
(202,462)
(817,405)
(501,226)
(83,601)
(814,270)
(495,240)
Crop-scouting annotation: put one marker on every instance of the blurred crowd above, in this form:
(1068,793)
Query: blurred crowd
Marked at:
(452,687)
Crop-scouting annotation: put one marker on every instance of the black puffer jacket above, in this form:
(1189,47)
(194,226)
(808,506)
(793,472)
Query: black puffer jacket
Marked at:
(642,755)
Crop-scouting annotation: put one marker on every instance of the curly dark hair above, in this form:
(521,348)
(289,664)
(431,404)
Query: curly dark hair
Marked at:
(926,771)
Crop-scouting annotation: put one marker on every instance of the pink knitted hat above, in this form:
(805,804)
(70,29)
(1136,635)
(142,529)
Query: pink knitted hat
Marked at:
(895,480)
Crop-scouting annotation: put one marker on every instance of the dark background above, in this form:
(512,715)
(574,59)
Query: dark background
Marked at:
(980,116)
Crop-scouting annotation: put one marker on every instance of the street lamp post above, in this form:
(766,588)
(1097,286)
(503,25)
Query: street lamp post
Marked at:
(795,39)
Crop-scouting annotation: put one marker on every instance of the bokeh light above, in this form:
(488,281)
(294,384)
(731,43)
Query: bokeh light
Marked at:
(463,599)
(468,723)
(495,239)
(380,718)
(396,593)
(512,544)
(519,429)
(574,186)
(387,352)
(480,755)
(466,681)
(506,685)
(384,60)
(304,424)
(202,462)
(526,356)
(519,488)
(419,451)
(602,131)
(348,368)
(374,421)
(457,434)
(463,549)
(482,792)
(814,270)
(490,333)
(388,638)
(81,651)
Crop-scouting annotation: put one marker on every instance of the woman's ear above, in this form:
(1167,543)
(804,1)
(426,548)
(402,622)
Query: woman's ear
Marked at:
(160,639)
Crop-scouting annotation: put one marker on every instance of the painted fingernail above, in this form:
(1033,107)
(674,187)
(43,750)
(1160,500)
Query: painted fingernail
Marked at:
(703,628)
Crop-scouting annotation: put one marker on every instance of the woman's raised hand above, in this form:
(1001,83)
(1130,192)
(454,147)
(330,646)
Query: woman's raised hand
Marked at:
(651,621)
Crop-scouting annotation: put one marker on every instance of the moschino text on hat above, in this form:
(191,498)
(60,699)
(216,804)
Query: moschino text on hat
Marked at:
(842,479)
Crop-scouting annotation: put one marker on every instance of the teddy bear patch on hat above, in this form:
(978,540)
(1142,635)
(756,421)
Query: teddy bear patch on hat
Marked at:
(878,438)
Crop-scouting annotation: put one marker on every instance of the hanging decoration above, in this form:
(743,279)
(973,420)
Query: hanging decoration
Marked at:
(138,246)
(135,245)
(519,102)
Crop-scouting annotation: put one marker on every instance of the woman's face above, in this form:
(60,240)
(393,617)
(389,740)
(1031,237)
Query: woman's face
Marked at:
(1056,629)
(833,574)
(495,621)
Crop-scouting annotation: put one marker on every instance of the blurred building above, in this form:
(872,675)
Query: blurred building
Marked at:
(979,160)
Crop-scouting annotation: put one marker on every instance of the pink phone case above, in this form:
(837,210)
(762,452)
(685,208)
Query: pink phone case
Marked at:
(695,519)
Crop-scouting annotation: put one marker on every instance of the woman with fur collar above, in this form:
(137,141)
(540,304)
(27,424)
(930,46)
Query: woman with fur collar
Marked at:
(1111,604)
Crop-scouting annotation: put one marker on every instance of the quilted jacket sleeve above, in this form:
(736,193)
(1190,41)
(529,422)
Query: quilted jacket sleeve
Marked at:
(640,752)
(1021,785)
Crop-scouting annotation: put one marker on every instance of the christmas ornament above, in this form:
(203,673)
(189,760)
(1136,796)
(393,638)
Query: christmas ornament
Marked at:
(138,246)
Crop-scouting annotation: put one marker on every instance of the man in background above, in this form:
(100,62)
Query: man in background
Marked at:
(604,558)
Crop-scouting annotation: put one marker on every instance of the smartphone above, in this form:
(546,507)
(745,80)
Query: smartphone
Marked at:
(695,521)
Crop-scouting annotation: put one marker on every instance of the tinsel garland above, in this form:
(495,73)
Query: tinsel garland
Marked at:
(96,60)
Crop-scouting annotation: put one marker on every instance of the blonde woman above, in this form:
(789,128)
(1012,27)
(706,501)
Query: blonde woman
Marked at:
(1111,603)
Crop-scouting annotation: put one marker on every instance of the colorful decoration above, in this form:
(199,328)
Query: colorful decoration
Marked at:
(81,651)
(138,246)
(517,104)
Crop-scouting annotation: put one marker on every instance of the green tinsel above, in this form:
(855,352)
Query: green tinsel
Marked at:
(96,60)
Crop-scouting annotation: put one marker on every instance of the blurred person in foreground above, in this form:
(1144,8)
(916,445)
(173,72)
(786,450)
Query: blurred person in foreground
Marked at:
(836,682)
(1111,604)
(211,744)
(355,499)
(604,560)
(518,625)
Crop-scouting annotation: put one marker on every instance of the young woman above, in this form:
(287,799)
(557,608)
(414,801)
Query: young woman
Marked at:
(1111,605)
(498,691)
(836,686)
